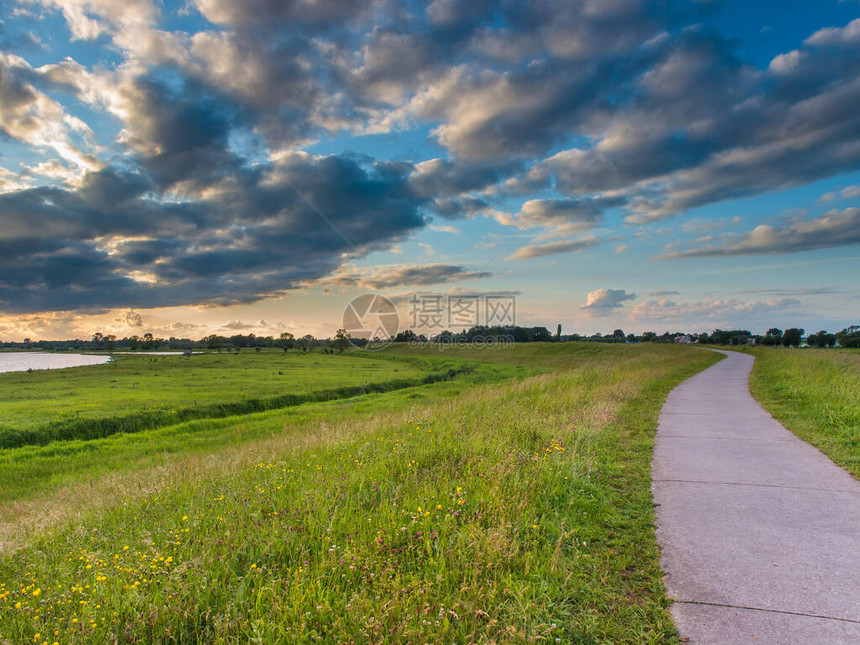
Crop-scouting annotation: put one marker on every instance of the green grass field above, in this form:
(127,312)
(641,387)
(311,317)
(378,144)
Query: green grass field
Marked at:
(816,394)
(511,504)
(143,392)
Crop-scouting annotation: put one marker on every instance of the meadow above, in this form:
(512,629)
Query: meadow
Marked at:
(509,504)
(142,392)
(816,394)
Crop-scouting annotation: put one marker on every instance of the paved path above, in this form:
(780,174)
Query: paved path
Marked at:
(760,532)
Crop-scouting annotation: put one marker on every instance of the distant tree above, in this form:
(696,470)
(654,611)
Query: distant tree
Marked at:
(649,337)
(558,332)
(110,341)
(849,337)
(740,337)
(822,339)
(541,335)
(792,337)
(307,342)
(618,333)
(631,338)
(286,341)
(97,338)
(772,337)
(214,341)
(341,340)
(405,336)
(730,337)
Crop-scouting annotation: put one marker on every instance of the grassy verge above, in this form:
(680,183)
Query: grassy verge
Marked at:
(814,393)
(511,512)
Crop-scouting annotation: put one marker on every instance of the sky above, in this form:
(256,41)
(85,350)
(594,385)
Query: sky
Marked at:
(212,166)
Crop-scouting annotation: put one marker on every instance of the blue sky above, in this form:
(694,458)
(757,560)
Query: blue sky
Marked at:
(210,166)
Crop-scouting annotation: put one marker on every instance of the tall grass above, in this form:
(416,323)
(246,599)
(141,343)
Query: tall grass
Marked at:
(515,512)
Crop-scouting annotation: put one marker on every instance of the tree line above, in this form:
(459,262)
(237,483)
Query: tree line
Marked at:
(791,337)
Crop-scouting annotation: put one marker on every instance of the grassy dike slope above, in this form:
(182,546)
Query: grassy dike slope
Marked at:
(516,511)
(816,394)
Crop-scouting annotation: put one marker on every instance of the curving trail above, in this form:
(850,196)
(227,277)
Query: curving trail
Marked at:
(760,532)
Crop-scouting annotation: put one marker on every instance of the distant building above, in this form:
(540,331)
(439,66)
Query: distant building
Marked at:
(683,339)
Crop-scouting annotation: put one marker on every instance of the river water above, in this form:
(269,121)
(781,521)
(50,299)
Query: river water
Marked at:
(23,361)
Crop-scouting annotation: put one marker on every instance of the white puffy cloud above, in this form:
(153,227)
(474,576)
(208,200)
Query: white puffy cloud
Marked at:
(603,302)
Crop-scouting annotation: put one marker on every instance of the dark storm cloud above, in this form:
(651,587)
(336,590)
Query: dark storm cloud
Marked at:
(109,245)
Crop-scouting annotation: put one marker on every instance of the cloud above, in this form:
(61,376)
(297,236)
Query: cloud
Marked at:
(706,127)
(794,292)
(564,216)
(445,178)
(847,192)
(88,19)
(405,276)
(832,229)
(30,116)
(443,229)
(109,245)
(709,310)
(11,182)
(190,186)
(552,248)
(657,294)
(603,301)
